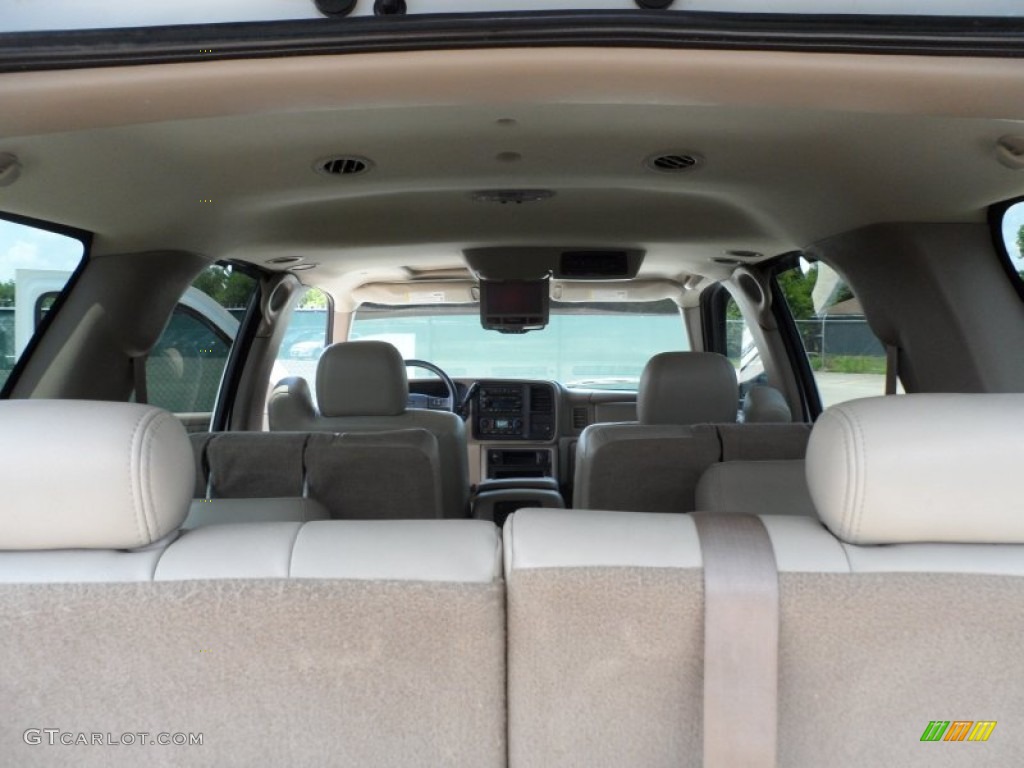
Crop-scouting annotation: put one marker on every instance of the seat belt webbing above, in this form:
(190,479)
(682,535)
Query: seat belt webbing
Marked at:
(139,374)
(892,368)
(741,642)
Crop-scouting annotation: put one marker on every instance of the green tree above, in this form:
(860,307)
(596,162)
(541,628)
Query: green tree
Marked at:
(314,298)
(7,294)
(226,286)
(797,288)
(1020,241)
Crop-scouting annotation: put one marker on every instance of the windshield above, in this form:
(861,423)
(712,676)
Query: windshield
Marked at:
(594,345)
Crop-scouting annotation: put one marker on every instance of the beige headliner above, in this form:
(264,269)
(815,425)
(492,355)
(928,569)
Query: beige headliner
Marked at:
(797,147)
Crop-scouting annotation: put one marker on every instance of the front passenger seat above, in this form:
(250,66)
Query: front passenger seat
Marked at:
(361,386)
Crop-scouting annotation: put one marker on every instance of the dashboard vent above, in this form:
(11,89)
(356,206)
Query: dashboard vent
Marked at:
(580,417)
(541,400)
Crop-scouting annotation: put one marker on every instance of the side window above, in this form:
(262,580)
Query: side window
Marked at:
(1012,226)
(847,359)
(307,334)
(35,266)
(184,369)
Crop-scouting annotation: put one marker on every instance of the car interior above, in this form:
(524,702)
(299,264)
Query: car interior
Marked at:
(631,388)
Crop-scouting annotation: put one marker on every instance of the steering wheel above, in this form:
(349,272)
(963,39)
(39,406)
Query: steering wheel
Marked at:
(416,400)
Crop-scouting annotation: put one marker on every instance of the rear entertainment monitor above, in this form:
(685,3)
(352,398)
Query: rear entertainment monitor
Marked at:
(514,306)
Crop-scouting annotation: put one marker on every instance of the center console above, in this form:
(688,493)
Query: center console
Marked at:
(516,422)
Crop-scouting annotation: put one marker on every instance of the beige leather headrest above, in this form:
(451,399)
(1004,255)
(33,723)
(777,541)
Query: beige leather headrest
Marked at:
(83,474)
(361,378)
(763,404)
(920,468)
(687,388)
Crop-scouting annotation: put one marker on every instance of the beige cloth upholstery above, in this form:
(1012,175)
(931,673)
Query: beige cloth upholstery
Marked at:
(90,474)
(765,404)
(605,639)
(330,643)
(755,487)
(642,468)
(368,376)
(918,468)
(606,652)
(687,388)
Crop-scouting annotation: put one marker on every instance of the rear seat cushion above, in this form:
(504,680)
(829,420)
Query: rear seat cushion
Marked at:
(118,476)
(920,468)
(755,488)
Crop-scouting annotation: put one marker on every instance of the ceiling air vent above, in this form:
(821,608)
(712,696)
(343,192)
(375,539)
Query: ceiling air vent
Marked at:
(580,417)
(672,162)
(542,400)
(344,165)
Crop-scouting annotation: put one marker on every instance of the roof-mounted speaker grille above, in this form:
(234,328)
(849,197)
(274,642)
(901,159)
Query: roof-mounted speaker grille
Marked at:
(343,165)
(672,162)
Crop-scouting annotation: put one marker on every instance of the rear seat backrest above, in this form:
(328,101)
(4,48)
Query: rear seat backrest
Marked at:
(376,475)
(347,643)
(654,466)
(299,476)
(605,639)
(755,488)
(635,467)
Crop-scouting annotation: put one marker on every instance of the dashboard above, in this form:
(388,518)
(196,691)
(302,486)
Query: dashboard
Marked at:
(522,428)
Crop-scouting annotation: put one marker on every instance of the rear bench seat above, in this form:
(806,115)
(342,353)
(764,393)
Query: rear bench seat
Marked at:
(383,642)
(325,643)
(907,612)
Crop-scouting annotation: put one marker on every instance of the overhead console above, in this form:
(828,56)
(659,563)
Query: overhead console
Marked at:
(515,281)
(511,410)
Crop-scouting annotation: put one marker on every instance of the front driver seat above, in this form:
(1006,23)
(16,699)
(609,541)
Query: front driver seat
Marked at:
(361,386)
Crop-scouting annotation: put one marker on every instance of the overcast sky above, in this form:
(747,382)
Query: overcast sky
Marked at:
(24,247)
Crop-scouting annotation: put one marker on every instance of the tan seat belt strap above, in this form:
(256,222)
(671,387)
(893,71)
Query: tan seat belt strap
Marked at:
(139,375)
(892,368)
(741,642)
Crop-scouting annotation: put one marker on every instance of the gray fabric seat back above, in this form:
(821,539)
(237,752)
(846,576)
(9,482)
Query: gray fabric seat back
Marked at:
(321,643)
(362,387)
(375,475)
(299,476)
(755,488)
(653,466)
(642,468)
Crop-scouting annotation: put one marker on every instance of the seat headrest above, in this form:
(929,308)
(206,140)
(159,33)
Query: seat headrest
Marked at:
(764,404)
(920,468)
(687,388)
(361,378)
(91,475)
